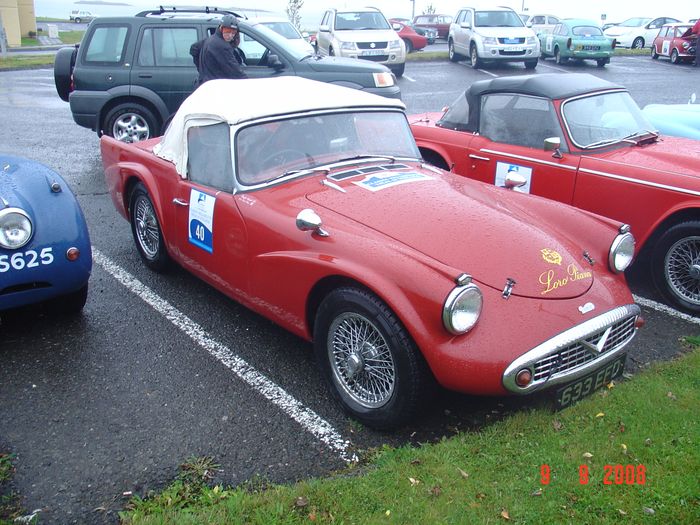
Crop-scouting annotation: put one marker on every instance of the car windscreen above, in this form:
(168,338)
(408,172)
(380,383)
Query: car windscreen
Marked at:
(604,119)
(497,19)
(635,22)
(268,150)
(285,29)
(279,41)
(457,115)
(360,21)
(587,31)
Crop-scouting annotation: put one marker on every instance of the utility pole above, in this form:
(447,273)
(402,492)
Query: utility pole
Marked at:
(413,9)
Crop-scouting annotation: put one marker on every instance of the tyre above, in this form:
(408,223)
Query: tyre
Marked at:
(558,58)
(331,53)
(675,266)
(131,122)
(451,53)
(474,57)
(602,62)
(374,368)
(409,45)
(146,230)
(654,54)
(63,69)
(398,70)
(638,43)
(530,64)
(77,20)
(675,59)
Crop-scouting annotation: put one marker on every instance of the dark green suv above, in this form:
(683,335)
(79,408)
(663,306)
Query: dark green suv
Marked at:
(130,74)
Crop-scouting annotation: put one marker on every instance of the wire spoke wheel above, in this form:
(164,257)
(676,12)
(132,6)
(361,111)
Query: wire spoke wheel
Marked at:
(147,229)
(361,360)
(682,268)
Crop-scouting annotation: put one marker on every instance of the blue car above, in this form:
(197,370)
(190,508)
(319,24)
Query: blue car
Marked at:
(45,254)
(679,120)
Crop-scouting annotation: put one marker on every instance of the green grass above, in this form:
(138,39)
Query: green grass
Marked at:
(9,501)
(26,61)
(494,476)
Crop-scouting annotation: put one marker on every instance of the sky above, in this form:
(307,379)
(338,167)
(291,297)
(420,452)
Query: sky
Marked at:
(312,10)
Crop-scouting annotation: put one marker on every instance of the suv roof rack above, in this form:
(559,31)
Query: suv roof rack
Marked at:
(179,9)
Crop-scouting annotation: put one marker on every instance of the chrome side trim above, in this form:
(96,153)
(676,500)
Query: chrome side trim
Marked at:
(477,157)
(530,159)
(578,334)
(641,182)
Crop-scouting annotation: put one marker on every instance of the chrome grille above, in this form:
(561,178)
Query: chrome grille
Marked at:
(576,354)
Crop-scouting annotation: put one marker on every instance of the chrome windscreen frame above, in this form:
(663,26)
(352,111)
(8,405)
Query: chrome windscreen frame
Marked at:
(563,340)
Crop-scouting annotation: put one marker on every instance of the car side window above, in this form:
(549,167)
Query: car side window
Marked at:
(209,159)
(460,17)
(519,120)
(553,20)
(538,20)
(106,45)
(166,46)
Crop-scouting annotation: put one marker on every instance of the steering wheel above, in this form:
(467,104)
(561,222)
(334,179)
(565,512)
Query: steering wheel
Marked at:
(282,157)
(263,58)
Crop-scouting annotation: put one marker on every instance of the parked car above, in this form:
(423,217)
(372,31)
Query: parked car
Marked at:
(494,34)
(45,255)
(584,141)
(637,32)
(285,28)
(577,39)
(131,73)
(679,120)
(361,33)
(79,16)
(439,22)
(393,275)
(675,41)
(540,23)
(411,39)
(429,33)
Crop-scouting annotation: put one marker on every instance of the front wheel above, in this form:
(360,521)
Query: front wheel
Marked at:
(654,54)
(474,57)
(638,43)
(374,368)
(131,122)
(558,58)
(146,230)
(451,53)
(530,64)
(398,70)
(676,266)
(675,58)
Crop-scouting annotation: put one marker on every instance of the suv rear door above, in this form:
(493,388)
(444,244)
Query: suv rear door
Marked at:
(163,64)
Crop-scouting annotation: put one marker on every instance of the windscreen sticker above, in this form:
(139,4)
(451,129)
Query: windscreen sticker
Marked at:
(504,168)
(201,220)
(379,182)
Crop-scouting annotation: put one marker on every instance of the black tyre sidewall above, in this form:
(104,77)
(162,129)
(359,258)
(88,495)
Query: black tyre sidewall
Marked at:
(411,376)
(121,109)
(668,239)
(161,259)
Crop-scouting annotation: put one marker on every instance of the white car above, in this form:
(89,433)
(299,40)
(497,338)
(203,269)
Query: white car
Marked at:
(637,32)
(79,16)
(492,34)
(285,28)
(540,23)
(361,33)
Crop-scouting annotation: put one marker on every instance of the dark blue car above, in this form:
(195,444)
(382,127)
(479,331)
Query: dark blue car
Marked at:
(45,254)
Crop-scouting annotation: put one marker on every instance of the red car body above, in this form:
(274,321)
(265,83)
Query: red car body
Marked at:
(441,23)
(676,42)
(411,39)
(615,168)
(407,241)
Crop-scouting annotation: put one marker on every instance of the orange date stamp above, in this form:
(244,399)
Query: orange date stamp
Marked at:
(612,475)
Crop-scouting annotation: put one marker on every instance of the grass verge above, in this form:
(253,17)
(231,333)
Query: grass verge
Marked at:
(26,61)
(630,453)
(9,501)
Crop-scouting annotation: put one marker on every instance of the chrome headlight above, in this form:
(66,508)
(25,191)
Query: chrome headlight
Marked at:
(395,44)
(489,41)
(383,79)
(348,46)
(462,309)
(15,228)
(621,252)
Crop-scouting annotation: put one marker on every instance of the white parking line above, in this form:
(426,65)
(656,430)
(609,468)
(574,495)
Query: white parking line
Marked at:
(487,72)
(307,418)
(542,64)
(665,309)
(408,78)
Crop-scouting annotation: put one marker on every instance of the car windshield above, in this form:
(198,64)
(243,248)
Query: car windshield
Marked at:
(280,41)
(586,31)
(275,149)
(497,19)
(605,119)
(286,29)
(457,115)
(360,21)
(635,22)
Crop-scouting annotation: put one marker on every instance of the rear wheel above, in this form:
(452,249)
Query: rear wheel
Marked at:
(474,57)
(409,45)
(146,230)
(602,62)
(374,368)
(130,122)
(77,20)
(676,265)
(675,58)
(638,43)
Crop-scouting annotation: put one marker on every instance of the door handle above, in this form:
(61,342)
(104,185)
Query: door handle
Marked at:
(145,75)
(180,202)
(477,157)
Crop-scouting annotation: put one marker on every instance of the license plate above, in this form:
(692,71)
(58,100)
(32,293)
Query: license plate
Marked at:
(373,52)
(513,48)
(591,48)
(511,41)
(580,388)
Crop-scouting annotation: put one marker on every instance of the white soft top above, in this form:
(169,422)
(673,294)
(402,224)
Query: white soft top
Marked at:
(238,101)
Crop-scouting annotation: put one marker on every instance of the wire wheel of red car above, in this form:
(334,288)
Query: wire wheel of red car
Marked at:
(409,45)
(146,230)
(676,265)
(373,366)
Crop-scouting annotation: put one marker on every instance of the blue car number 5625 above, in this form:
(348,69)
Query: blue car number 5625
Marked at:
(28,259)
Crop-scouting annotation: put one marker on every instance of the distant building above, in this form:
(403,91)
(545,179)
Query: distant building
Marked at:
(18,20)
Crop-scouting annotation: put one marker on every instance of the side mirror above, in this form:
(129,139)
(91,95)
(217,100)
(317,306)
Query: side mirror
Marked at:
(529,24)
(274,62)
(324,29)
(514,180)
(396,27)
(309,221)
(553,144)
(305,34)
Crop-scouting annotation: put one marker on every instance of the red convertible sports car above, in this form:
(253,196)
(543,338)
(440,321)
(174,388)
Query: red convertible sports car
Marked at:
(583,141)
(315,210)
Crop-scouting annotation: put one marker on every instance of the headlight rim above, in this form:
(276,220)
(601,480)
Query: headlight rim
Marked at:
(19,211)
(451,300)
(617,242)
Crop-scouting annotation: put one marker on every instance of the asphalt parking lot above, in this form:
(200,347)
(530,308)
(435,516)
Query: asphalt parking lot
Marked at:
(108,404)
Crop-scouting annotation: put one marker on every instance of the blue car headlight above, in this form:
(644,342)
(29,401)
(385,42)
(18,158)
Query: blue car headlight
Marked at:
(462,308)
(15,228)
(621,252)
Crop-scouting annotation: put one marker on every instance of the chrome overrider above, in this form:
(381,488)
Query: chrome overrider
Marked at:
(590,343)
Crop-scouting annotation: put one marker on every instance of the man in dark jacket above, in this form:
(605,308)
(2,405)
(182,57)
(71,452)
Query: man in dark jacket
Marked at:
(217,58)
